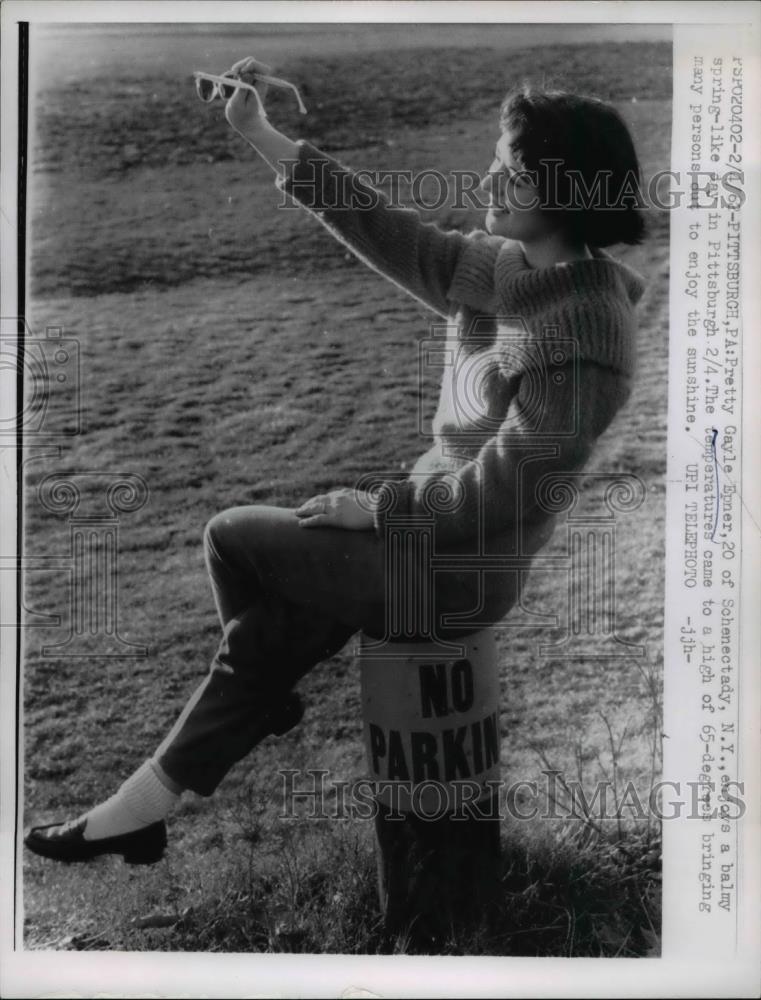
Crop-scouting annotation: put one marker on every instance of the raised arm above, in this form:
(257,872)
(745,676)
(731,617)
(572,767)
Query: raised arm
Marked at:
(419,257)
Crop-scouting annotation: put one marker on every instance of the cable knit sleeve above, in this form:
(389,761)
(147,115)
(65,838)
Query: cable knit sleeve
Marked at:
(474,282)
(496,491)
(417,256)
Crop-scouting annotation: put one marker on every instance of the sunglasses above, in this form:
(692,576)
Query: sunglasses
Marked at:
(209,86)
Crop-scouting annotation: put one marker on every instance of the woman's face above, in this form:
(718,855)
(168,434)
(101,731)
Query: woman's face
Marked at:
(514,200)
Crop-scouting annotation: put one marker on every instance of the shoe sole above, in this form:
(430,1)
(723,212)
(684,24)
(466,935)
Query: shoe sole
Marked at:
(129,859)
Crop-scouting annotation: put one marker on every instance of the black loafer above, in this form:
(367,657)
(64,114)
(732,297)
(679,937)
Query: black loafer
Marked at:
(66,842)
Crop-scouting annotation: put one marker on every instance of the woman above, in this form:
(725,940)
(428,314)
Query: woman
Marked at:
(542,337)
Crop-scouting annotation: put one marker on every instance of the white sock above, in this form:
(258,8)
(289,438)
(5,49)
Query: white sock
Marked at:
(142,799)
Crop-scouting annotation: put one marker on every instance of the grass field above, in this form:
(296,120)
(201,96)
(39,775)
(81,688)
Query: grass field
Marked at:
(232,353)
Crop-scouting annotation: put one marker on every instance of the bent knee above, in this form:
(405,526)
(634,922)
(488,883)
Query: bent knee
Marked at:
(220,532)
(232,529)
(215,531)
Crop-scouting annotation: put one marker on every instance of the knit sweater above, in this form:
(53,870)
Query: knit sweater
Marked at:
(536,361)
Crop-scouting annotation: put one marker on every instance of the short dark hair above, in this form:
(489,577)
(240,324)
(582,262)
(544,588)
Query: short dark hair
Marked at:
(584,158)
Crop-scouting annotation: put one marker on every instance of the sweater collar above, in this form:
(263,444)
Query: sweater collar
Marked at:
(523,285)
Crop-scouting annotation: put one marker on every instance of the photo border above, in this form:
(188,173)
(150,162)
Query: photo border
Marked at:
(685,968)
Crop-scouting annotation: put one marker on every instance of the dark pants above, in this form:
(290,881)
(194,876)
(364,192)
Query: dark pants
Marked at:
(289,597)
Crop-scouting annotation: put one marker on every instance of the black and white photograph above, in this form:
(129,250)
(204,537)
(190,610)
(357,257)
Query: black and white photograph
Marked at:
(379,504)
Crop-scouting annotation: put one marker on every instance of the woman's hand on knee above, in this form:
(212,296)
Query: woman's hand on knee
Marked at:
(342,508)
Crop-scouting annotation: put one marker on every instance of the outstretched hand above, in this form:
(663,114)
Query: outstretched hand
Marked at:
(342,508)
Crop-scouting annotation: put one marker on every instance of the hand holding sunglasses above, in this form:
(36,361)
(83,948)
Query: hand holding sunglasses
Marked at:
(244,88)
(209,86)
